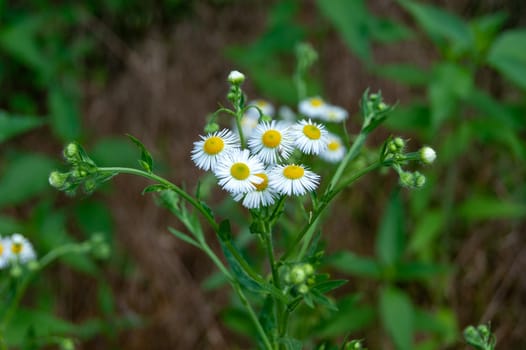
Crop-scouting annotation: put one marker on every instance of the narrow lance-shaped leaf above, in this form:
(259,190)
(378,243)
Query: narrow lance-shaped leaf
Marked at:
(146,160)
(390,242)
(397,316)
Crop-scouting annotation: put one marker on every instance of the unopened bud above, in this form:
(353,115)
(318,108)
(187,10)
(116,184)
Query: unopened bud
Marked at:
(211,127)
(297,275)
(57,179)
(16,271)
(72,152)
(427,155)
(303,289)
(236,77)
(308,269)
(419,180)
(406,179)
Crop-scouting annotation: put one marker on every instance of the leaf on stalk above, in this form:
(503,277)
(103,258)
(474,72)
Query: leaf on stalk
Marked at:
(351,263)
(184,237)
(507,55)
(486,207)
(327,286)
(146,160)
(64,114)
(390,241)
(397,315)
(155,188)
(11,125)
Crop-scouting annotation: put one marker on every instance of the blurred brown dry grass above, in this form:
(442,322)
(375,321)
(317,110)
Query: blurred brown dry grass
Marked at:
(161,94)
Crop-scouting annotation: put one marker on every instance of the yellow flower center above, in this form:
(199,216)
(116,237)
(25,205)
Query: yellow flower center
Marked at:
(271,138)
(312,132)
(213,145)
(16,248)
(263,185)
(239,171)
(261,103)
(293,172)
(333,145)
(316,102)
(1,249)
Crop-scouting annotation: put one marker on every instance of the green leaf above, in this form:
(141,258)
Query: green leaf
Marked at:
(322,300)
(146,161)
(105,298)
(387,31)
(9,224)
(418,270)
(64,114)
(154,188)
(443,27)
(450,84)
(94,216)
(351,317)
(24,177)
(327,286)
(236,320)
(390,242)
(507,55)
(414,117)
(351,19)
(442,322)
(12,125)
(184,237)
(351,263)
(397,315)
(486,207)
(428,226)
(291,343)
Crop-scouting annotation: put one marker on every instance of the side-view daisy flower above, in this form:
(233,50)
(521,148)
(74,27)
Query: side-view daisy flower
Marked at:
(236,171)
(266,108)
(309,137)
(335,150)
(313,107)
(262,196)
(206,152)
(271,141)
(293,179)
(334,114)
(5,252)
(21,249)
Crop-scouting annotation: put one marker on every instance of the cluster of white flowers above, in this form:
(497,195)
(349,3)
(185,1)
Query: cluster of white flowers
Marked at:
(259,174)
(15,249)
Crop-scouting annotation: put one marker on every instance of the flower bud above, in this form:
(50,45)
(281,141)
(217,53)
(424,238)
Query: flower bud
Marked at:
(236,77)
(303,289)
(33,265)
(406,179)
(427,155)
(16,271)
(67,344)
(211,128)
(308,269)
(399,142)
(419,180)
(57,179)
(72,152)
(297,275)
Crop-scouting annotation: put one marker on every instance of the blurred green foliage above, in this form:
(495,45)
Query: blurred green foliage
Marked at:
(47,51)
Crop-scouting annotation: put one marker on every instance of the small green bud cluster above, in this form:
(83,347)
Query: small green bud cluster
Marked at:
(480,337)
(83,171)
(299,277)
(235,94)
(374,110)
(394,153)
(67,344)
(306,56)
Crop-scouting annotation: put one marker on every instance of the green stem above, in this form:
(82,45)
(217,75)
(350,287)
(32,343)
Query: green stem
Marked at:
(242,262)
(309,228)
(353,152)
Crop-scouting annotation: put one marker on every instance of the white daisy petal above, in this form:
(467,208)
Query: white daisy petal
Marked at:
(293,179)
(263,196)
(309,137)
(21,249)
(206,152)
(312,107)
(5,252)
(271,141)
(266,108)
(236,171)
(335,150)
(334,114)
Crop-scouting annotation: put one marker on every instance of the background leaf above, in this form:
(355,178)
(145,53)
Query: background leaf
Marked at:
(397,315)
(390,242)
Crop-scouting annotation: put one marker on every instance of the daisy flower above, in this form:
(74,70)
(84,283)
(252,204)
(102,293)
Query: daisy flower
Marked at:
(335,150)
(212,146)
(309,137)
(334,114)
(313,107)
(262,196)
(287,114)
(237,170)
(293,179)
(5,252)
(270,141)
(266,108)
(21,249)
